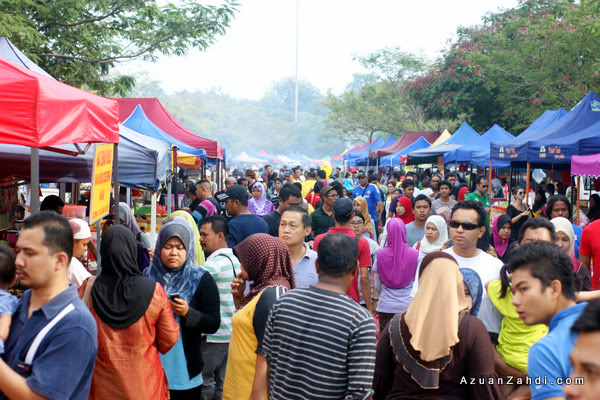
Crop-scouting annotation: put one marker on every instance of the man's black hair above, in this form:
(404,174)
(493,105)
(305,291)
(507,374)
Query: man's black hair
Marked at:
(357,213)
(480,178)
(240,180)
(407,182)
(322,174)
(58,235)
(287,190)
(267,166)
(553,200)
(278,179)
(589,320)
(373,178)
(8,269)
(472,205)
(51,202)
(546,262)
(397,176)
(337,255)
(421,197)
(306,218)
(218,224)
(312,174)
(449,174)
(537,223)
(446,183)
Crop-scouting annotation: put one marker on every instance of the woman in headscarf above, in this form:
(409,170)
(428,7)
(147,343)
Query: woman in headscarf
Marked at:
(404,210)
(134,324)
(594,212)
(501,235)
(127,219)
(462,193)
(436,234)
(194,298)
(199,258)
(258,203)
(395,272)
(473,289)
(264,260)
(428,350)
(360,204)
(565,239)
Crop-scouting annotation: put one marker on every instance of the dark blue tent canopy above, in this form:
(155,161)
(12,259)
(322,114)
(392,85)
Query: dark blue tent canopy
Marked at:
(560,150)
(463,135)
(464,153)
(394,159)
(352,158)
(364,158)
(501,152)
(139,122)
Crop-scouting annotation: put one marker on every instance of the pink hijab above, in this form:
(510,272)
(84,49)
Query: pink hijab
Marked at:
(397,261)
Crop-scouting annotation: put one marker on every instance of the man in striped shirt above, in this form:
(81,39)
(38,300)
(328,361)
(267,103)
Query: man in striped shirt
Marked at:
(223,266)
(319,343)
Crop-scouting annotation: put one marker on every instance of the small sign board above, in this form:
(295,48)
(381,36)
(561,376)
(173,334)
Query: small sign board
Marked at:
(101,179)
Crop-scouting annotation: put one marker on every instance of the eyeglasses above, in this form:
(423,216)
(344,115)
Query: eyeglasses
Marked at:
(484,186)
(467,226)
(359,223)
(333,196)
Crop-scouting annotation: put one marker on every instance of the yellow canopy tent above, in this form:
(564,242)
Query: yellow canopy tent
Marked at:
(188,160)
(443,137)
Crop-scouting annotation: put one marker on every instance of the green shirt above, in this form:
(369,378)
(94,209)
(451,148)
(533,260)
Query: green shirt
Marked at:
(321,222)
(485,201)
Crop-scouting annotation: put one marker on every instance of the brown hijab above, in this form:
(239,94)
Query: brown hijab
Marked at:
(267,261)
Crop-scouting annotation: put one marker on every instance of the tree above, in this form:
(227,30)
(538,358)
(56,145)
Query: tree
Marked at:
(381,104)
(282,95)
(542,54)
(79,42)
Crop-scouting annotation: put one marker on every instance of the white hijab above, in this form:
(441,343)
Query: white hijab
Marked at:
(426,246)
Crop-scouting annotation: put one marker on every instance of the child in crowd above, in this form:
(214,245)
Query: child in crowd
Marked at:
(8,302)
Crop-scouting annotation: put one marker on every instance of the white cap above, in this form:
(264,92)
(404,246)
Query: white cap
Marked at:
(81,229)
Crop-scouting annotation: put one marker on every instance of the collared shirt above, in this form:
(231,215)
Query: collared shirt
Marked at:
(64,362)
(223,266)
(321,221)
(372,195)
(305,272)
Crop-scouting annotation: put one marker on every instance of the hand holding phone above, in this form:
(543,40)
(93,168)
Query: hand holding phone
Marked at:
(173,296)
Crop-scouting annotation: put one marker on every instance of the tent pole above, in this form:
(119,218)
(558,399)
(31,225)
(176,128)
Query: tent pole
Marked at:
(116,181)
(578,180)
(490,186)
(35,180)
(169,181)
(153,219)
(527,185)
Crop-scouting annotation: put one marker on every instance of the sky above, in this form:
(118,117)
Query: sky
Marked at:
(259,48)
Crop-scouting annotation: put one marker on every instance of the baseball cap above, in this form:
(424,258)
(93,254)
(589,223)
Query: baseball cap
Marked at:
(80,228)
(343,207)
(325,190)
(352,169)
(288,173)
(236,192)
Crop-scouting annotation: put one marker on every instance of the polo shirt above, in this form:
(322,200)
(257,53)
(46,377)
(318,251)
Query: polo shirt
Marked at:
(372,195)
(64,362)
(305,272)
(549,356)
(321,222)
(244,225)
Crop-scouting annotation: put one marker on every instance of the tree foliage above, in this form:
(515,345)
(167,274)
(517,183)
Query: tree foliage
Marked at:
(79,42)
(541,55)
(381,104)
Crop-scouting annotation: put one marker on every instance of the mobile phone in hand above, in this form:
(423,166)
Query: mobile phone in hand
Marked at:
(173,296)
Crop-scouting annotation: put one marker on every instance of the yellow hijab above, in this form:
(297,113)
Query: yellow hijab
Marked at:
(198,253)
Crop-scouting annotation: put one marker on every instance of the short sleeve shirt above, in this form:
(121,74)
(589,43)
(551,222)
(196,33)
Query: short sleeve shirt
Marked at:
(372,195)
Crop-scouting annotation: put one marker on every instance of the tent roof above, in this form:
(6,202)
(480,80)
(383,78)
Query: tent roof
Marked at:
(395,159)
(160,116)
(443,137)
(463,135)
(500,158)
(586,165)
(139,122)
(10,52)
(406,139)
(38,111)
(163,149)
(464,153)
(245,158)
(363,153)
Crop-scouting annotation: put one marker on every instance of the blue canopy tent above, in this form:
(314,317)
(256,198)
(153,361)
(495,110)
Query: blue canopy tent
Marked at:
(501,152)
(351,158)
(139,122)
(464,153)
(362,156)
(394,159)
(463,135)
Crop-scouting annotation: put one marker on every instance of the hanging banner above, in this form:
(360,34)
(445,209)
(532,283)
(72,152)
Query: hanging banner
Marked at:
(101,179)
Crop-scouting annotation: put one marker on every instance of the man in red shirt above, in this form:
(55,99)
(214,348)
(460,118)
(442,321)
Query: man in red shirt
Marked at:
(343,211)
(589,249)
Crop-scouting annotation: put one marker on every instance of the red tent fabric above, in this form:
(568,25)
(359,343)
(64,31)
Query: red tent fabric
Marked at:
(162,118)
(406,139)
(37,111)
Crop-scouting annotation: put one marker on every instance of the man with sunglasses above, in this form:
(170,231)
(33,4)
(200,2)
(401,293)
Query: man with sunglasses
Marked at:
(481,195)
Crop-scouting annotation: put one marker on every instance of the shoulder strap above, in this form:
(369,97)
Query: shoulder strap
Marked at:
(231,261)
(88,290)
(42,334)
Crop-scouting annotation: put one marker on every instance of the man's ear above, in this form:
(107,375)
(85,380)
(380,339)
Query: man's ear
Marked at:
(482,230)
(62,259)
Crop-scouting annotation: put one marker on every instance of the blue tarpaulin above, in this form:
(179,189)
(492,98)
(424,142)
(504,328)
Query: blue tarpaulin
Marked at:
(394,159)
(362,156)
(463,135)
(464,154)
(363,153)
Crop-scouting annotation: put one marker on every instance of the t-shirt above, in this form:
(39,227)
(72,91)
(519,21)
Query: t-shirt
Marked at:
(443,209)
(305,271)
(273,219)
(372,195)
(485,201)
(243,226)
(64,362)
(307,185)
(590,246)
(549,356)
(321,222)
(512,212)
(364,255)
(414,234)
(77,272)
(320,345)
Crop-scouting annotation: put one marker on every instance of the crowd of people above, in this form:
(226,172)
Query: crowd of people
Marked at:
(310,285)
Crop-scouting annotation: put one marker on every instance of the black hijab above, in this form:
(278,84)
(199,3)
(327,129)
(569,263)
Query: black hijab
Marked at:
(121,295)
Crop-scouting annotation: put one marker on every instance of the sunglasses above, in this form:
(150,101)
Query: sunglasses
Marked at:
(467,226)
(484,186)
(521,193)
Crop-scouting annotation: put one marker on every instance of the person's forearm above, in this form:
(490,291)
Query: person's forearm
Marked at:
(580,297)
(503,369)
(14,386)
(365,286)
(259,385)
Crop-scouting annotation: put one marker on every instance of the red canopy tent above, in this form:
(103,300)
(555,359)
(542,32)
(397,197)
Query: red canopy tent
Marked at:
(406,139)
(162,118)
(38,111)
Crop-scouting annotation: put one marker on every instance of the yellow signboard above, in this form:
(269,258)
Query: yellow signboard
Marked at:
(101,178)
